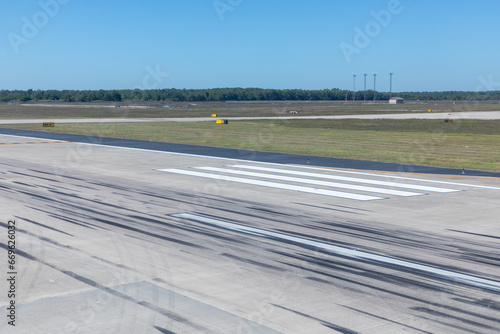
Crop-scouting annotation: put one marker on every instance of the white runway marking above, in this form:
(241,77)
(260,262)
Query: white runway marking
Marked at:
(38,139)
(402,178)
(310,181)
(274,185)
(349,179)
(352,253)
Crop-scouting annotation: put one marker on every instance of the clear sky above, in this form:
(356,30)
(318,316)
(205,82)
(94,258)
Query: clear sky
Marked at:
(430,45)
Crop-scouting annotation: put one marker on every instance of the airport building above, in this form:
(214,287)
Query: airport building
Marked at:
(396,100)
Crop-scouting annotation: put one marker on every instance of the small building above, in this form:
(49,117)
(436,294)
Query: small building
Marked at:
(396,100)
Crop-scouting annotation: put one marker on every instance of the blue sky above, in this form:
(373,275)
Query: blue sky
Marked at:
(315,44)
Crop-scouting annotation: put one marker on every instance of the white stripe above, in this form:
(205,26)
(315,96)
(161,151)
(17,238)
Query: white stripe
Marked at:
(52,140)
(352,253)
(274,185)
(349,179)
(403,178)
(315,182)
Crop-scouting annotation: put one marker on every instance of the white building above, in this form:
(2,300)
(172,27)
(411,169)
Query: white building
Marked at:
(396,100)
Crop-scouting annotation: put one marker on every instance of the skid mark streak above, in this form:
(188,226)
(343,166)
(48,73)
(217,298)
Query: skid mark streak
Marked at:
(337,328)
(447,275)
(43,225)
(385,319)
(253,262)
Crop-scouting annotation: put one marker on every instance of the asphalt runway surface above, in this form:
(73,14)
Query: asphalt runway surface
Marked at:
(117,236)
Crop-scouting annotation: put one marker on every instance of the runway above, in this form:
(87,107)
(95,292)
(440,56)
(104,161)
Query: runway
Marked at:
(477,115)
(117,236)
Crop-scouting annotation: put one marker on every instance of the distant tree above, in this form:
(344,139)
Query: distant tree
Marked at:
(232,94)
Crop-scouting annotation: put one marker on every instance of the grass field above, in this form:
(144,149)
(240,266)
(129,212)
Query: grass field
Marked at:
(225,109)
(465,144)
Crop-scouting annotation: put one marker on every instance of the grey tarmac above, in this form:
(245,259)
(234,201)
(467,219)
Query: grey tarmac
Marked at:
(113,240)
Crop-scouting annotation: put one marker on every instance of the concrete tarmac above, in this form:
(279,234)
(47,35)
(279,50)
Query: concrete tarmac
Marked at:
(134,237)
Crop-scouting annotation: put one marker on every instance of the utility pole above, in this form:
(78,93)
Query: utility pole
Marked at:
(374,85)
(365,88)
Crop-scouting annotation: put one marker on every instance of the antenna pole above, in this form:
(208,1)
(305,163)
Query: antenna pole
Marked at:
(374,85)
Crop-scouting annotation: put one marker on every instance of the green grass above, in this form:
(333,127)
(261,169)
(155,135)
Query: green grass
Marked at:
(465,144)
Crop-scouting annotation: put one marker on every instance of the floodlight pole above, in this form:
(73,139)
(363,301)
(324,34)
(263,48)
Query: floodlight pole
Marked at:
(365,88)
(354,88)
(390,84)
(374,85)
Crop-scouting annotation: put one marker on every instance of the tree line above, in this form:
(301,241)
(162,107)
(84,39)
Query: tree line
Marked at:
(234,94)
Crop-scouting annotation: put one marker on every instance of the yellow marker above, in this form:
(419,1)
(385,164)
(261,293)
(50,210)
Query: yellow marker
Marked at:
(48,124)
(221,121)
(430,110)
(214,115)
